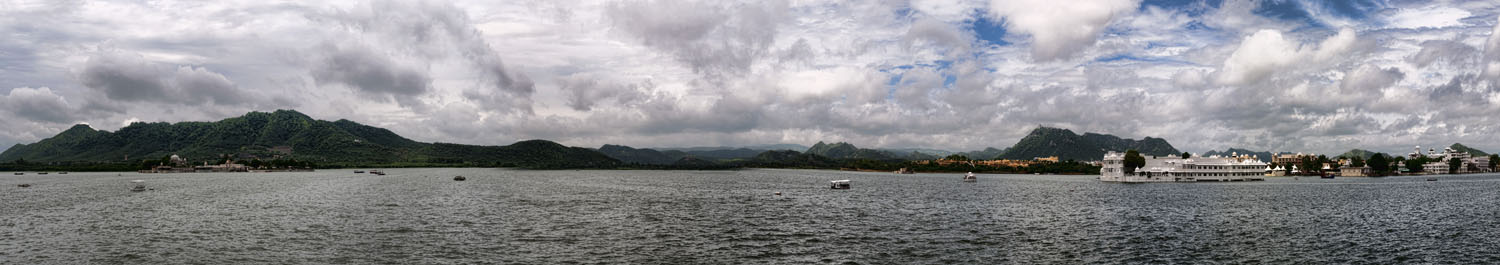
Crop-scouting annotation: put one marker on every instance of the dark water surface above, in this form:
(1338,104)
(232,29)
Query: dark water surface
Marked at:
(610,217)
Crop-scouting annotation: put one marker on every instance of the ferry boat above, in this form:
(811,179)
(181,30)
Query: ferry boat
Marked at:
(839,184)
(970,177)
(1178,169)
(138,185)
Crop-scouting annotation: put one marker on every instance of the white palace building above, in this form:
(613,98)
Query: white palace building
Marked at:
(1175,169)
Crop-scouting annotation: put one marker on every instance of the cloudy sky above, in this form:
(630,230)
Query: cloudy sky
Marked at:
(1314,76)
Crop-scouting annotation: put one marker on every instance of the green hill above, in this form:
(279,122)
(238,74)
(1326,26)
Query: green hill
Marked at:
(290,134)
(1063,143)
(844,150)
(641,156)
(1360,153)
(1461,148)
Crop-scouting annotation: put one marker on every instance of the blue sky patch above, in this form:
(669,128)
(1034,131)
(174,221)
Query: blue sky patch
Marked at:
(990,31)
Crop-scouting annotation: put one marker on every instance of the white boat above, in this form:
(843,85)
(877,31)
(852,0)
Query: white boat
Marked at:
(839,184)
(138,185)
(970,177)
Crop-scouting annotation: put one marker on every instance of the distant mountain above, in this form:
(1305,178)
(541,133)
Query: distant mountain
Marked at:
(1360,153)
(986,154)
(1063,143)
(641,156)
(931,152)
(1461,148)
(288,133)
(1263,156)
(844,150)
(788,158)
(766,147)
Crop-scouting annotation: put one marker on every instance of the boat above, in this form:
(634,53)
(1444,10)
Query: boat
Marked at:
(459,178)
(1432,179)
(24,185)
(62,173)
(359,171)
(41,173)
(970,177)
(139,185)
(905,171)
(1326,175)
(377,172)
(20,173)
(839,184)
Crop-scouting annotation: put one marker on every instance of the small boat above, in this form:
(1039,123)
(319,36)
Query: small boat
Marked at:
(377,172)
(62,173)
(839,184)
(459,178)
(20,173)
(41,173)
(970,177)
(1326,175)
(24,185)
(359,171)
(1432,179)
(139,185)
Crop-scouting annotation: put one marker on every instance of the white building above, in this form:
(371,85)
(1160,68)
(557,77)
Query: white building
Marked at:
(1174,168)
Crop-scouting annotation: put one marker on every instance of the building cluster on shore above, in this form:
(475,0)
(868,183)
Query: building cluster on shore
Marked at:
(993,163)
(1248,167)
(177,164)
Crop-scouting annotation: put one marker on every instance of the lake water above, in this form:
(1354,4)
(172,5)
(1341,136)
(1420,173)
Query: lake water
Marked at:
(677,217)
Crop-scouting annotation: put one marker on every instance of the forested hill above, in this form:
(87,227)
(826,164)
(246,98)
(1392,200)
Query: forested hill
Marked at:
(289,134)
(1063,143)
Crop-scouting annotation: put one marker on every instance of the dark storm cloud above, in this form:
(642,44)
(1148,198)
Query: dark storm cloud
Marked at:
(711,39)
(368,71)
(127,76)
(38,104)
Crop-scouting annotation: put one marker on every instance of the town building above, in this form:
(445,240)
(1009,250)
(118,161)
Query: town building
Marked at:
(1354,171)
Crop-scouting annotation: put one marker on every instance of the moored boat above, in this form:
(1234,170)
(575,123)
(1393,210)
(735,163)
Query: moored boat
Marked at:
(970,177)
(359,171)
(41,173)
(839,184)
(20,173)
(459,178)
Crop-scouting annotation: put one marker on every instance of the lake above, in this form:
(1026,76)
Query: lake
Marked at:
(680,217)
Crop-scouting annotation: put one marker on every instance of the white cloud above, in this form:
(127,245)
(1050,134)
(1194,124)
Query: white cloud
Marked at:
(1059,29)
(1268,51)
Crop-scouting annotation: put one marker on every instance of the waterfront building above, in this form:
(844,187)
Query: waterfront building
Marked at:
(1288,159)
(1175,168)
(1354,171)
(1436,167)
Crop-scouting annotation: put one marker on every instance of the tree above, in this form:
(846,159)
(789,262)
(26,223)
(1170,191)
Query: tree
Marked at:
(1133,160)
(1454,164)
(1310,164)
(1415,164)
(1377,163)
(1186,155)
(1494,159)
(957,157)
(1357,162)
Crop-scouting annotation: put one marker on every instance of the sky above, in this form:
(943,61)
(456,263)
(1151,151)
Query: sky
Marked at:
(1298,76)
